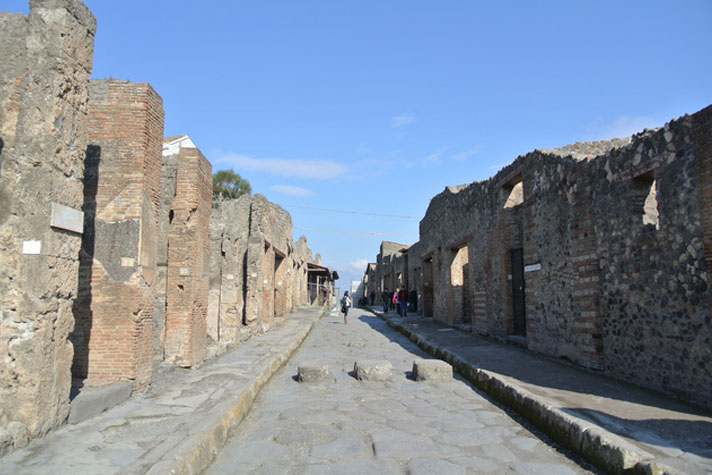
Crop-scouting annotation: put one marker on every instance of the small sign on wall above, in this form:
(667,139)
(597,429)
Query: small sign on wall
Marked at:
(532,267)
(31,247)
(69,219)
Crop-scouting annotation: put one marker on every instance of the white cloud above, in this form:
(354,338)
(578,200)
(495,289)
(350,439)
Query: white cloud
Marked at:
(401,120)
(441,154)
(363,149)
(498,166)
(435,156)
(623,126)
(285,167)
(462,156)
(359,265)
(293,190)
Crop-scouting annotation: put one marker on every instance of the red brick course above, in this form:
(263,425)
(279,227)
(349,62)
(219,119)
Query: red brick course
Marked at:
(188,260)
(114,327)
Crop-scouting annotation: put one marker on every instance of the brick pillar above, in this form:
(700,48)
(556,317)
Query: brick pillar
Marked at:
(587,318)
(113,336)
(702,136)
(188,260)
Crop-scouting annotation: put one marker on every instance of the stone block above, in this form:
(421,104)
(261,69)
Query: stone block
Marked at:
(5,441)
(20,434)
(91,402)
(313,372)
(432,370)
(372,370)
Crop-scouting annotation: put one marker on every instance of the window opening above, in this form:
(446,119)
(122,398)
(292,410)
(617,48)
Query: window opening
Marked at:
(515,195)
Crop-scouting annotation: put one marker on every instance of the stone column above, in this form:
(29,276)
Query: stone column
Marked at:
(44,88)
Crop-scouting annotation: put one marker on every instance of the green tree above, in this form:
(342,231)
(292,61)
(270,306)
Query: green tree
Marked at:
(228,185)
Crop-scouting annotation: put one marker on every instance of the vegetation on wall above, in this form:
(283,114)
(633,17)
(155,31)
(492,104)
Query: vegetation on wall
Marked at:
(229,185)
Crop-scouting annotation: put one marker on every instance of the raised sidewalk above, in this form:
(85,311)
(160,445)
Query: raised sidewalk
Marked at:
(180,424)
(615,425)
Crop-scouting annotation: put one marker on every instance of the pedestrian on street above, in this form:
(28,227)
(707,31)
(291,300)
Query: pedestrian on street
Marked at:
(345,304)
(385,300)
(403,301)
(394,301)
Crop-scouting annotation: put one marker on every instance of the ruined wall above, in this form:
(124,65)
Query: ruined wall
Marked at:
(229,231)
(388,265)
(302,257)
(257,272)
(188,253)
(370,278)
(613,255)
(414,273)
(114,332)
(655,296)
(268,256)
(44,82)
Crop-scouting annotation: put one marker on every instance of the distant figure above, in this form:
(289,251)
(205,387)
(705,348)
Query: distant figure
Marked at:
(403,301)
(394,301)
(413,300)
(345,304)
(385,300)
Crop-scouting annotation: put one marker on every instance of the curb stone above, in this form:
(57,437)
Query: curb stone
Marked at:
(195,453)
(598,446)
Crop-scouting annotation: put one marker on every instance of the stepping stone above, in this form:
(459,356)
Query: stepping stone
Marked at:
(313,372)
(432,370)
(372,370)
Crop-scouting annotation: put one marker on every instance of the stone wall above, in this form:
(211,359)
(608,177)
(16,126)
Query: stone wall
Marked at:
(389,264)
(44,83)
(653,275)
(414,273)
(114,331)
(370,280)
(608,239)
(257,273)
(301,257)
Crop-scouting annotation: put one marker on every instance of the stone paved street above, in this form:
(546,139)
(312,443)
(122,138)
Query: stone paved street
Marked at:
(398,426)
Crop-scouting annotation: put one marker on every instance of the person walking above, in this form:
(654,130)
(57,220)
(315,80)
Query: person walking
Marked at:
(403,300)
(385,300)
(345,305)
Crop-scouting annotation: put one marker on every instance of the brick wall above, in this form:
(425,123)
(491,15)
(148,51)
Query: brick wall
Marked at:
(114,332)
(188,260)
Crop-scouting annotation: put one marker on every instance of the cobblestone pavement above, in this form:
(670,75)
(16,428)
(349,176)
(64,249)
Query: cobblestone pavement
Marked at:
(398,426)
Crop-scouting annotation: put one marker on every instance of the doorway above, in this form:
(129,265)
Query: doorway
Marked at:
(518,308)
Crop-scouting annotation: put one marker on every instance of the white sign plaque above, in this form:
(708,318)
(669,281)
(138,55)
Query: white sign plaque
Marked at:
(69,219)
(31,247)
(532,267)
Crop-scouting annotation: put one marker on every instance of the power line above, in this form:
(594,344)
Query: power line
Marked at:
(352,212)
(353,233)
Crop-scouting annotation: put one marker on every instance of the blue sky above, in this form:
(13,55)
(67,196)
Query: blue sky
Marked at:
(376,106)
